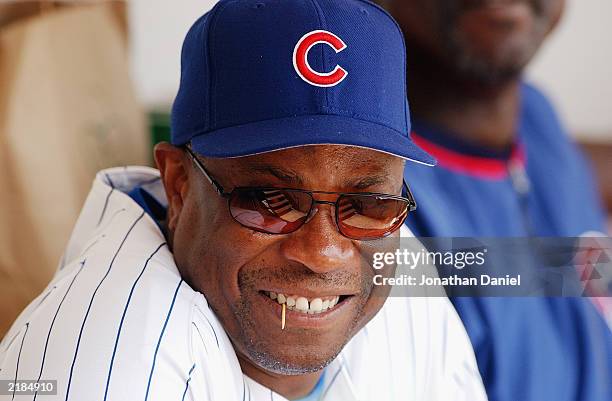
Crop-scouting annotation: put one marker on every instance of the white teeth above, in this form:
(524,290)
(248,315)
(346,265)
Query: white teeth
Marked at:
(302,304)
(316,305)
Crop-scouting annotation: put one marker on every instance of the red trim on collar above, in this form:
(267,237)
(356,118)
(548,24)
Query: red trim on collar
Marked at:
(476,166)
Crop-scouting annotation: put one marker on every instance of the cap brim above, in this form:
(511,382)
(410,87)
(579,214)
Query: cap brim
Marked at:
(271,135)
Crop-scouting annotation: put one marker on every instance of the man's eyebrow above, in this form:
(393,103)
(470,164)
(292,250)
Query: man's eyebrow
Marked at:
(291,177)
(367,182)
(282,174)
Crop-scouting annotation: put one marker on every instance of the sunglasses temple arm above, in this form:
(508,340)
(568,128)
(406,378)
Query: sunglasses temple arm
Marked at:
(218,188)
(409,193)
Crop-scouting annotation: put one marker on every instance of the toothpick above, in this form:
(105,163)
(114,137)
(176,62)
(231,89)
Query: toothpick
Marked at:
(283,317)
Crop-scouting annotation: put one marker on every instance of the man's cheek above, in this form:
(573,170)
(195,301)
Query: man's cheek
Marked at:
(221,290)
(380,257)
(375,295)
(372,302)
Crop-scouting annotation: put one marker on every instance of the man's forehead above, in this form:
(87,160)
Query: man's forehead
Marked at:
(349,165)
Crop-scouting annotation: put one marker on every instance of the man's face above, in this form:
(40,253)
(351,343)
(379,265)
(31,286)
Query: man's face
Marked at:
(236,268)
(484,40)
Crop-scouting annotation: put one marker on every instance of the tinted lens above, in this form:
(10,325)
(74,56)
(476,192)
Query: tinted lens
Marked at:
(370,216)
(271,211)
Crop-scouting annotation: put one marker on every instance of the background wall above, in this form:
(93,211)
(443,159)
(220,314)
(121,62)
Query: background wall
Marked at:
(573,67)
(157,30)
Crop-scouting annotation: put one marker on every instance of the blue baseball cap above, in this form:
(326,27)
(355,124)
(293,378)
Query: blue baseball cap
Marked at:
(264,75)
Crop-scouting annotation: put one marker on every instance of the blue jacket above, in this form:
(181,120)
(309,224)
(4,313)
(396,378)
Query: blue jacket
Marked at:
(528,349)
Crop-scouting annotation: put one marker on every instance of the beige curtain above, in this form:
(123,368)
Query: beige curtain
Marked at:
(67,109)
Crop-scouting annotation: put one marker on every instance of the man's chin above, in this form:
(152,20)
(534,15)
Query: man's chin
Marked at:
(492,69)
(492,61)
(489,74)
(291,365)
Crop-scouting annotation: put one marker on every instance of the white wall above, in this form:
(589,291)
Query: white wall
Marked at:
(574,66)
(157,30)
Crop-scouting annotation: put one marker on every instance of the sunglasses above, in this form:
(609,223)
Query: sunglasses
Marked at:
(359,216)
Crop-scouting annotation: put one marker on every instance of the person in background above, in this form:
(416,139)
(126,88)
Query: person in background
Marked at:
(506,168)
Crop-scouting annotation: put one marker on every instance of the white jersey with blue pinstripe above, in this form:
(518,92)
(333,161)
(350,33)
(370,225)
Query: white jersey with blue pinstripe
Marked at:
(117,323)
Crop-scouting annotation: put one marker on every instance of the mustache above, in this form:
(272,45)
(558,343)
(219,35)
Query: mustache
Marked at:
(300,276)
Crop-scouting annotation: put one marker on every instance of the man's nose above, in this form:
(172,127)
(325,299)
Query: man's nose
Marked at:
(318,244)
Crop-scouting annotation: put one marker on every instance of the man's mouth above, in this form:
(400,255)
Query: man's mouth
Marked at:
(305,305)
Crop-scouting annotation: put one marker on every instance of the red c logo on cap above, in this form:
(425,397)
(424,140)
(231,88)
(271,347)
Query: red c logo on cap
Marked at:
(300,59)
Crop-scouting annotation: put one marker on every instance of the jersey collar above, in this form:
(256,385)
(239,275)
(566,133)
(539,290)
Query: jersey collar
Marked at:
(465,159)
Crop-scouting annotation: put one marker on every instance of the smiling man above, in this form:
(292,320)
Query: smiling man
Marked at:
(241,269)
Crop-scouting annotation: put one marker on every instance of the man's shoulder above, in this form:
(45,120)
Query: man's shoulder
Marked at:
(548,144)
(415,343)
(538,114)
(117,320)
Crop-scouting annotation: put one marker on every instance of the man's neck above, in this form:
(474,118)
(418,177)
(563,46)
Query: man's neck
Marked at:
(291,387)
(483,115)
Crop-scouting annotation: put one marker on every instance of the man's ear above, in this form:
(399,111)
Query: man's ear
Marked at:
(174,169)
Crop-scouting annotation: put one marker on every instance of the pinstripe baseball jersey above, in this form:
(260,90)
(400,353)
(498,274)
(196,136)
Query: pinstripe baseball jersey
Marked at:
(118,323)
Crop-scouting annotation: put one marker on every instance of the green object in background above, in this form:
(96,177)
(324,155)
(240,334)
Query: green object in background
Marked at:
(159,125)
